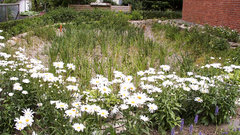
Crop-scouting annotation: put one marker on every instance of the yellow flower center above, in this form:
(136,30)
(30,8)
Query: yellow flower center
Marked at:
(139,97)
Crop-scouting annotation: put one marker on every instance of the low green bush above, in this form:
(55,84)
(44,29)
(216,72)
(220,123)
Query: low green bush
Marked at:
(136,15)
(61,15)
(161,14)
(223,32)
(234,55)
(12,28)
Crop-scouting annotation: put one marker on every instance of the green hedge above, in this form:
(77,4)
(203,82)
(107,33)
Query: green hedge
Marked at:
(161,14)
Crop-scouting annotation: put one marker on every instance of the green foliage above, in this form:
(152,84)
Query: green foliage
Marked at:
(194,40)
(10,1)
(12,106)
(46,33)
(155,5)
(160,5)
(29,13)
(167,116)
(136,4)
(221,96)
(61,15)
(136,15)
(88,37)
(234,55)
(223,32)
(104,19)
(161,14)
(12,28)
(39,5)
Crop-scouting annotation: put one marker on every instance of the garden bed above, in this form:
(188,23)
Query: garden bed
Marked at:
(101,69)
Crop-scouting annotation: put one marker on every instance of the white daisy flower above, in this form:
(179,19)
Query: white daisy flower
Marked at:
(20,127)
(71,79)
(1,38)
(165,67)
(152,107)
(58,64)
(24,92)
(124,106)
(10,94)
(105,90)
(133,102)
(28,112)
(198,99)
(26,81)
(71,66)
(60,105)
(103,113)
(144,118)
(78,127)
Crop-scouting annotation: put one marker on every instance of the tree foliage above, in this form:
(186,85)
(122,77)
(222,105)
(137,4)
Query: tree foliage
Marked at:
(154,5)
(150,5)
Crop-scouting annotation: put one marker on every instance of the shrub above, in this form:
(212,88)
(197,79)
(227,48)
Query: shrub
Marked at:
(219,44)
(12,28)
(136,15)
(223,32)
(234,55)
(62,15)
(161,14)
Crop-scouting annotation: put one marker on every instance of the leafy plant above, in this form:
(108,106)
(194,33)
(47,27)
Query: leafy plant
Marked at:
(136,15)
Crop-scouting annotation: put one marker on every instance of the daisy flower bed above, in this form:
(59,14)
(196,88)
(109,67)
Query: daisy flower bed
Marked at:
(36,100)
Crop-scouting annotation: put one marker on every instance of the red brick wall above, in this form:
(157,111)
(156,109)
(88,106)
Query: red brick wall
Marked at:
(213,12)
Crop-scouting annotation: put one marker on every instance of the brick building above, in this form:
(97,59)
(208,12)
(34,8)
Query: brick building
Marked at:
(213,12)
